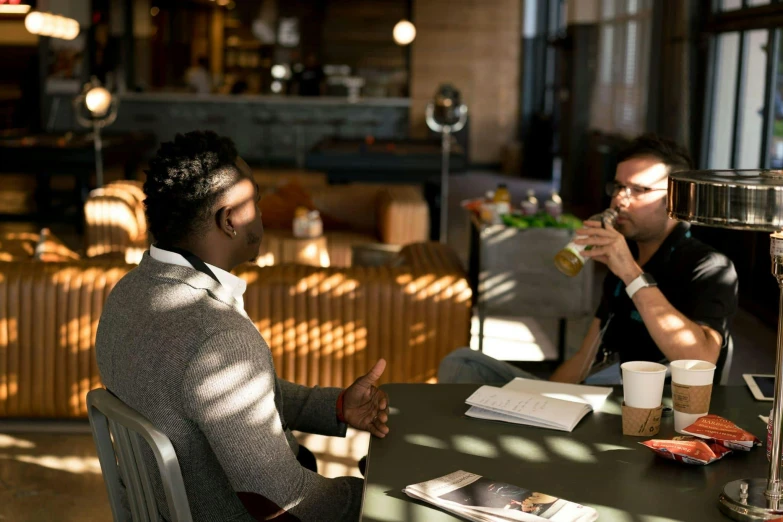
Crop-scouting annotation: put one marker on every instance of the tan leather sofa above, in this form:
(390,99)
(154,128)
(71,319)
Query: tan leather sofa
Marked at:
(115,223)
(324,326)
(369,213)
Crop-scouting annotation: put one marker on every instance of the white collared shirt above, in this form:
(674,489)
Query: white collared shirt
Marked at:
(234,284)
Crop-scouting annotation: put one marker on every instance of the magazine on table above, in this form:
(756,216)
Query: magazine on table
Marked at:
(536,403)
(484,500)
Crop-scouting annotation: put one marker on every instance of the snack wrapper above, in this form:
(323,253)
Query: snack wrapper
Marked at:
(723,432)
(688,450)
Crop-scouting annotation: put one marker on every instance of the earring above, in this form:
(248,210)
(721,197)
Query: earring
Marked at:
(235,233)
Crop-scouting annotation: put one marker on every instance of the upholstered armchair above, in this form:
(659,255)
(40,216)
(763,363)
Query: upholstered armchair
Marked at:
(354,214)
(115,221)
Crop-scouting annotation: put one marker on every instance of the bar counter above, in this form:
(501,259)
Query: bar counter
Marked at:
(275,130)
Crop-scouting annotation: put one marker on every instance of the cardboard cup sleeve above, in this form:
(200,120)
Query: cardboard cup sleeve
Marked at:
(641,422)
(691,399)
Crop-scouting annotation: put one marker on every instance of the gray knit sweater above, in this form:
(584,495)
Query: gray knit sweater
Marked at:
(174,345)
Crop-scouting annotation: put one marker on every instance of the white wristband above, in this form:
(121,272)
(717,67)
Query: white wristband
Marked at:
(643,281)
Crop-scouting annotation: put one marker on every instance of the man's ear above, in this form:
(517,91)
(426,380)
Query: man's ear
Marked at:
(223,217)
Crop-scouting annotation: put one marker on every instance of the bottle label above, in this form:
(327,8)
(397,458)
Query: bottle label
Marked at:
(553,209)
(528,208)
(502,207)
(576,250)
(776,244)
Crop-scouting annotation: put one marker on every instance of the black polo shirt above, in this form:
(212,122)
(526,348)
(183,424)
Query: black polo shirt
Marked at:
(696,279)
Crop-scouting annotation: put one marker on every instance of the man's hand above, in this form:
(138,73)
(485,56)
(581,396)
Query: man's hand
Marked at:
(366,407)
(610,248)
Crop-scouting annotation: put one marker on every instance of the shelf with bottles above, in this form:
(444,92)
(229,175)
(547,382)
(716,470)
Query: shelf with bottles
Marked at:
(495,208)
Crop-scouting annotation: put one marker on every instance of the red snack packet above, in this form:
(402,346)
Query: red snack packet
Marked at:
(688,450)
(723,432)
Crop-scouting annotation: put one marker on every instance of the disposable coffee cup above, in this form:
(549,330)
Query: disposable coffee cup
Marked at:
(691,391)
(643,384)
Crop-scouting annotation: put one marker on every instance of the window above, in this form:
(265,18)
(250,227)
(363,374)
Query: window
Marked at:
(725,94)
(624,45)
(736,127)
(776,140)
(729,5)
(751,105)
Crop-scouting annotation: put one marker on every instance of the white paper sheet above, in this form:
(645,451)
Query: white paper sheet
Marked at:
(489,402)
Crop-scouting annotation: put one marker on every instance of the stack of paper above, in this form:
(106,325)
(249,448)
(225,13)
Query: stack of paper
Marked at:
(482,499)
(536,403)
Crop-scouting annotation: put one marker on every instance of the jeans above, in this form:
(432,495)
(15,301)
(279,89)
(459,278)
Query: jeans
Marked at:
(464,365)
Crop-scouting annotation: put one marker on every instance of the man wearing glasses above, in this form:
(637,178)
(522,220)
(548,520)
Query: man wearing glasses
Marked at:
(668,296)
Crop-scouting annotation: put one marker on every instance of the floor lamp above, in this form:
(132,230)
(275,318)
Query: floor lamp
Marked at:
(101,111)
(745,200)
(446,114)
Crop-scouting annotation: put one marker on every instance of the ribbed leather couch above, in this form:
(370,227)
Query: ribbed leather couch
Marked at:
(324,326)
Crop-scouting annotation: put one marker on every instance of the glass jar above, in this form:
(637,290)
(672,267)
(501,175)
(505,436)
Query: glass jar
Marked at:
(570,260)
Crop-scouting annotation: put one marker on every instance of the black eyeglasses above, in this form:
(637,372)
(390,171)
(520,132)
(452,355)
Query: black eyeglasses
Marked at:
(614,188)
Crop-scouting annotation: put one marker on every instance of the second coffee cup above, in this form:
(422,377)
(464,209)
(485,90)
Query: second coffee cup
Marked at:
(643,384)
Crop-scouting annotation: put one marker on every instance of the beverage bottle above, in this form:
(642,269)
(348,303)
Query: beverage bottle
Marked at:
(554,205)
(40,247)
(301,222)
(502,200)
(570,260)
(315,224)
(529,205)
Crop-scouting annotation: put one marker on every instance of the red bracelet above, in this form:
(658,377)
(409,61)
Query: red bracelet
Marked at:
(340,416)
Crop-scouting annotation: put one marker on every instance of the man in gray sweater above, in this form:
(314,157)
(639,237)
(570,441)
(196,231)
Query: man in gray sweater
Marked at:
(175,344)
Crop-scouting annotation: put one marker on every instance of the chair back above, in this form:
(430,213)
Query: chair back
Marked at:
(118,431)
(723,366)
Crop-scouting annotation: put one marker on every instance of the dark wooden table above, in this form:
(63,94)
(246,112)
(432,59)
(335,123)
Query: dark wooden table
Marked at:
(594,465)
(46,155)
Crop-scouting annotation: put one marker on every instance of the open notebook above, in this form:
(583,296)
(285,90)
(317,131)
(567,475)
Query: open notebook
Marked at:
(542,404)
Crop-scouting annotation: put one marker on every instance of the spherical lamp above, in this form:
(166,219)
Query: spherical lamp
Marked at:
(34,22)
(101,111)
(404,32)
(98,100)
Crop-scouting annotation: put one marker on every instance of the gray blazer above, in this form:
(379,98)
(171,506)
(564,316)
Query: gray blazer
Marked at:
(174,345)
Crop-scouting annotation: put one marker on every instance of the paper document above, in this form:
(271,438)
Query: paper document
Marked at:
(595,396)
(481,499)
(489,402)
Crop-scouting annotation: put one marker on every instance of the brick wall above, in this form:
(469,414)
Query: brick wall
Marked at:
(475,45)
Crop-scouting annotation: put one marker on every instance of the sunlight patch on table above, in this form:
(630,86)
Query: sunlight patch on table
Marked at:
(383,507)
(571,450)
(610,447)
(419,439)
(523,449)
(471,445)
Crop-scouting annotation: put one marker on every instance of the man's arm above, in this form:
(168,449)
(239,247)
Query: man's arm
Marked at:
(229,392)
(676,336)
(312,410)
(575,369)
